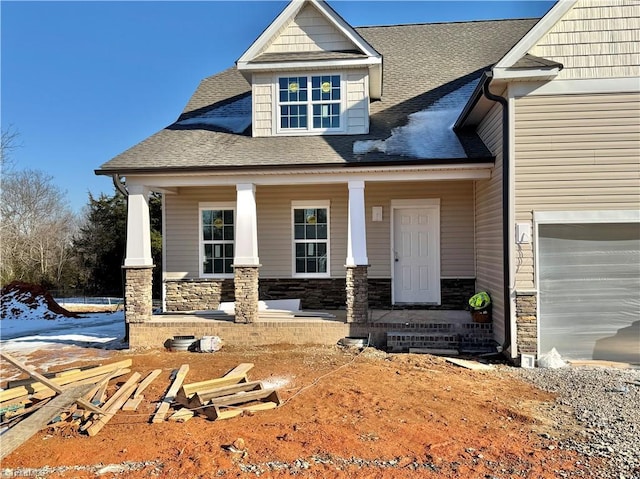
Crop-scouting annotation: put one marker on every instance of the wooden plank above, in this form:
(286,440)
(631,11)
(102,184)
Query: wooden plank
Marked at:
(98,424)
(47,393)
(21,432)
(239,398)
(37,387)
(183,415)
(131,382)
(473,365)
(163,408)
(51,385)
(146,381)
(240,370)
(60,374)
(189,390)
(201,399)
(132,404)
(214,412)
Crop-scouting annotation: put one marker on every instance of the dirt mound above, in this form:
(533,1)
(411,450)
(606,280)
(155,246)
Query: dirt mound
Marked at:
(29,301)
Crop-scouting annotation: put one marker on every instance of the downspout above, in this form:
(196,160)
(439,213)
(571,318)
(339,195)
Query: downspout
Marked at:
(506,248)
(117,182)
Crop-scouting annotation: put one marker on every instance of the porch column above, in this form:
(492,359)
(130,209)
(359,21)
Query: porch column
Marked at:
(246,261)
(357,261)
(138,264)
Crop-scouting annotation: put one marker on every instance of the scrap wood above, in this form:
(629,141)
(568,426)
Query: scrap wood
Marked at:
(21,432)
(58,374)
(236,404)
(111,410)
(234,376)
(47,393)
(202,398)
(37,386)
(182,415)
(133,403)
(170,396)
(473,365)
(83,402)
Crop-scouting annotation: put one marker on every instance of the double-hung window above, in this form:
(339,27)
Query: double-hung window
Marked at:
(217,235)
(310,103)
(310,239)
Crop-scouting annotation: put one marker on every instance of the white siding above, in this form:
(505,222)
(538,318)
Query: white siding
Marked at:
(309,32)
(595,39)
(274,225)
(488,222)
(262,87)
(574,152)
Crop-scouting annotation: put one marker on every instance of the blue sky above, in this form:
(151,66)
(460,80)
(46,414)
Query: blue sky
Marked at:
(84,81)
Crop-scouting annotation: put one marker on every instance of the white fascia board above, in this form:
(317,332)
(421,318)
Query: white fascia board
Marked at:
(477,171)
(533,36)
(590,86)
(312,64)
(536,74)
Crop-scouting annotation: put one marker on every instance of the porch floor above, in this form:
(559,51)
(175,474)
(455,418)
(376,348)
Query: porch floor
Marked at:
(395,330)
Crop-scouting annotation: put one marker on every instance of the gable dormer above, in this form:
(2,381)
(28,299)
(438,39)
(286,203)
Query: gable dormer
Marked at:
(311,73)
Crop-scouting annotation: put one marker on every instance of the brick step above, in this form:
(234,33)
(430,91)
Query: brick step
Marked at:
(467,341)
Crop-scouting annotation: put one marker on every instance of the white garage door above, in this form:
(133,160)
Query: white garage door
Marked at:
(589,283)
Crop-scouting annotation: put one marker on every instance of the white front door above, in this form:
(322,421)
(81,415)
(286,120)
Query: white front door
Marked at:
(416,254)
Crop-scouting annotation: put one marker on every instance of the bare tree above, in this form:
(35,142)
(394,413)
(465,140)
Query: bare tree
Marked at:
(8,143)
(37,229)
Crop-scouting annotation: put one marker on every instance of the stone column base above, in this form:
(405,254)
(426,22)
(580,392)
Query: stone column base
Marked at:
(138,305)
(357,294)
(526,323)
(246,293)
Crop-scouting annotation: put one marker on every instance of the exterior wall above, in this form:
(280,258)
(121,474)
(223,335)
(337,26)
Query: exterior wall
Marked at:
(595,39)
(527,323)
(309,32)
(488,222)
(197,295)
(274,226)
(357,101)
(574,153)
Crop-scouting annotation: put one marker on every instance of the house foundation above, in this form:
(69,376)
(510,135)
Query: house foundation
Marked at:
(246,293)
(527,322)
(137,293)
(357,294)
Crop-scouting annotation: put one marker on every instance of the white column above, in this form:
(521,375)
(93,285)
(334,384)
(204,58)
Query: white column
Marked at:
(138,227)
(356,233)
(246,253)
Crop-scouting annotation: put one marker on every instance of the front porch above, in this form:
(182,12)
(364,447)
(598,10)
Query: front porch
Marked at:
(392,330)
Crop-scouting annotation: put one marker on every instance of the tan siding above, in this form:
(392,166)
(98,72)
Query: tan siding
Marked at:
(595,39)
(488,222)
(357,103)
(309,31)
(564,161)
(456,224)
(262,105)
(182,235)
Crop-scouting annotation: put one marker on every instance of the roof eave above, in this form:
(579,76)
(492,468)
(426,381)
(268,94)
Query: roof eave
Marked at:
(526,74)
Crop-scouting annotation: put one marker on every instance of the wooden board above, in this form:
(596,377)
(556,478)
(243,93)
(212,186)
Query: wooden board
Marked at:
(21,432)
(144,384)
(37,386)
(98,424)
(200,399)
(132,404)
(473,365)
(183,415)
(163,408)
(187,391)
(240,370)
(214,412)
(47,393)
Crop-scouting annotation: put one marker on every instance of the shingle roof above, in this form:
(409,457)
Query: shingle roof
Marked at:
(422,63)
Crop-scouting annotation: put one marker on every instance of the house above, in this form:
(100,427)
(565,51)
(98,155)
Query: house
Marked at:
(408,166)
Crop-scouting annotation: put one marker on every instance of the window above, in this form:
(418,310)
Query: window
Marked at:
(311,239)
(217,234)
(308,103)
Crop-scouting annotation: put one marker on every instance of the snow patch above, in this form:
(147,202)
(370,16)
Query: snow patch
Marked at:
(428,134)
(234,117)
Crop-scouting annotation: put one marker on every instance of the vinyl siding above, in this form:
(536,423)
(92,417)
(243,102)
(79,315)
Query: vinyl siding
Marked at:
(488,222)
(574,152)
(265,87)
(274,225)
(309,32)
(595,39)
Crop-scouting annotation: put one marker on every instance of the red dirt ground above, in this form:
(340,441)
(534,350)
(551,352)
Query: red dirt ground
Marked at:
(346,415)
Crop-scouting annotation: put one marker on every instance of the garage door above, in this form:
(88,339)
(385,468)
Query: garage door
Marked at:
(589,284)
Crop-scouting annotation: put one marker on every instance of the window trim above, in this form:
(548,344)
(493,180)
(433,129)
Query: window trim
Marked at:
(203,206)
(309,130)
(326,204)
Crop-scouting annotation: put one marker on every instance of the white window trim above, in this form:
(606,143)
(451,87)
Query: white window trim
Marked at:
(309,131)
(212,206)
(310,204)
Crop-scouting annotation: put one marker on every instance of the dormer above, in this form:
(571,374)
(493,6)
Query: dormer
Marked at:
(311,73)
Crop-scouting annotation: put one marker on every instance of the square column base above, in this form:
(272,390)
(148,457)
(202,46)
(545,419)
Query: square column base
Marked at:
(357,294)
(138,301)
(246,293)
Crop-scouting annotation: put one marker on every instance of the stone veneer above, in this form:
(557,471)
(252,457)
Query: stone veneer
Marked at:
(138,302)
(526,323)
(357,294)
(197,294)
(246,293)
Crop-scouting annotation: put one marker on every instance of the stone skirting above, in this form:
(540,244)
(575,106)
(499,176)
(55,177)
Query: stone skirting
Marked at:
(197,294)
(246,293)
(138,303)
(315,294)
(357,294)
(526,323)
(455,294)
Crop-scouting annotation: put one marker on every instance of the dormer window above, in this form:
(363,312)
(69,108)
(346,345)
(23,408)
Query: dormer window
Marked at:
(310,103)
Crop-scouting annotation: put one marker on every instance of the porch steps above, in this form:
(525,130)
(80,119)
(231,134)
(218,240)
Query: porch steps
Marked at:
(454,337)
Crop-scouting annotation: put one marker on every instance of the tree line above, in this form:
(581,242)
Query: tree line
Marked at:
(42,241)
